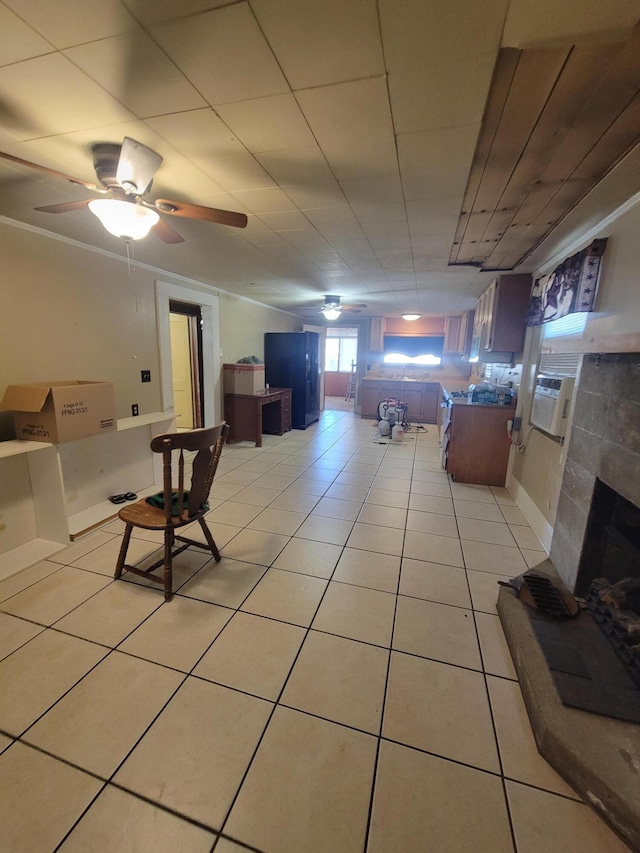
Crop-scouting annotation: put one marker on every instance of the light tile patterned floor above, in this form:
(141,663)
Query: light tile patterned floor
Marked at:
(339,683)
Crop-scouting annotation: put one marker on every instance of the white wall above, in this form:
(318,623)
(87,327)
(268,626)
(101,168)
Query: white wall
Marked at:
(68,312)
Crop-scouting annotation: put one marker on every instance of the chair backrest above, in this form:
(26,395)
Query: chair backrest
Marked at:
(208,443)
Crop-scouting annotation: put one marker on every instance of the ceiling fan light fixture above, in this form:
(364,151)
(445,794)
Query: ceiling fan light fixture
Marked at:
(124,218)
(331,312)
(411,316)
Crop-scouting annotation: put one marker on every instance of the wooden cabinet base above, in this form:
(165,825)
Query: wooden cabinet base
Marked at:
(476,444)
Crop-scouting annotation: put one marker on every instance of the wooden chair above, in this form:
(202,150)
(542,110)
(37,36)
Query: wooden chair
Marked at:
(176,507)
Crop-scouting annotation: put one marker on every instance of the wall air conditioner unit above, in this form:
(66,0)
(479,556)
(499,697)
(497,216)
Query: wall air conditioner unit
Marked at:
(551,401)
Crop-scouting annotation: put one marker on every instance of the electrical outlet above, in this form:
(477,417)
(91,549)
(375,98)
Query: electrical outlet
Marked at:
(134,410)
(146,375)
(517,424)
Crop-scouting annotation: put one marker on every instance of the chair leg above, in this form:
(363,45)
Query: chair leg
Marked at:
(122,556)
(168,565)
(210,541)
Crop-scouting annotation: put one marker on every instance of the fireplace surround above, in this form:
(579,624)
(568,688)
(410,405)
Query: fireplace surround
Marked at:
(605,446)
(598,756)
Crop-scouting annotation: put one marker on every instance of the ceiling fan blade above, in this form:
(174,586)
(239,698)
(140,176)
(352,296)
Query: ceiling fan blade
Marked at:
(166,233)
(196,211)
(51,172)
(355,307)
(64,207)
(136,166)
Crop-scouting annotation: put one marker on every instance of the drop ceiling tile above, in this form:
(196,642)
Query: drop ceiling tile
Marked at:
(436,163)
(264,200)
(297,166)
(433,216)
(263,239)
(352,123)
(237,173)
(33,90)
(416,33)
(322,41)
(308,197)
(445,95)
(426,265)
(224,54)
(18,40)
(379,213)
(435,246)
(133,69)
(381,190)
(197,133)
(291,220)
(159,11)
(267,124)
(333,218)
(390,259)
(80,20)
(306,240)
(388,236)
(305,175)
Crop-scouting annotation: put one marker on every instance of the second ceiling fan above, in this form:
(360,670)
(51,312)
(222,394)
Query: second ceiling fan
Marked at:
(333,307)
(126,173)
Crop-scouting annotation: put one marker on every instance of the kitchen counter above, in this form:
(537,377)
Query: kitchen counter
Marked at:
(463,401)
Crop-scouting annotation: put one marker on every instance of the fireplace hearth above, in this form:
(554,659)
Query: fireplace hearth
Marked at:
(596,537)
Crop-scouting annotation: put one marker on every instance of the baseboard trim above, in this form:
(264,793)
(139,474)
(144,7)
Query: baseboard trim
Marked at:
(539,524)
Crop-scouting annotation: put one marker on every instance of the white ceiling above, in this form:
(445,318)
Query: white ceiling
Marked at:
(344,129)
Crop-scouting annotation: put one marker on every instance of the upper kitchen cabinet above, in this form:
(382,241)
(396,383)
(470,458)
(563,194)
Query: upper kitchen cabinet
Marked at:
(499,323)
(376,334)
(458,331)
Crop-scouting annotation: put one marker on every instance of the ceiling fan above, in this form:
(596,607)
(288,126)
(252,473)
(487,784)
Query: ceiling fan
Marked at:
(332,307)
(126,173)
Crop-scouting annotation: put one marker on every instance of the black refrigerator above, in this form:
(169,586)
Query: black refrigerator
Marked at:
(291,361)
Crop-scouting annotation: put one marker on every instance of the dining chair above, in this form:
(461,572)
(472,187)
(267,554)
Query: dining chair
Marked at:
(176,506)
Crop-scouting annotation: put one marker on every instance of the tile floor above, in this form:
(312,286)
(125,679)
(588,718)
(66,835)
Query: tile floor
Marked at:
(339,683)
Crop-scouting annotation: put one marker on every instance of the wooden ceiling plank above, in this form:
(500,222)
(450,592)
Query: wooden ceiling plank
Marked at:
(582,68)
(520,242)
(614,91)
(619,139)
(532,85)
(503,74)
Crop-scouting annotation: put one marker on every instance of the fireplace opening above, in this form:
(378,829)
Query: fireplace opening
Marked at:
(609,573)
(611,547)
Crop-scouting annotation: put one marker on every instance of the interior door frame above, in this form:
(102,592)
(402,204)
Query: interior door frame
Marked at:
(210,308)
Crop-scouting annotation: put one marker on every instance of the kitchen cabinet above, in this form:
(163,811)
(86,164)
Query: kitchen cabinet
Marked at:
(475,443)
(458,331)
(422,398)
(499,323)
(376,334)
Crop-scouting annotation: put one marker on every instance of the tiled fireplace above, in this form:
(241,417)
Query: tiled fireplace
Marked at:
(604,451)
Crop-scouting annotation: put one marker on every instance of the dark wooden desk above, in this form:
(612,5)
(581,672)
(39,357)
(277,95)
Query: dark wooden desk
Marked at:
(249,415)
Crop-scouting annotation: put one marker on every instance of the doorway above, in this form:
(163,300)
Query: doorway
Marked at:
(186,363)
(341,359)
(166,293)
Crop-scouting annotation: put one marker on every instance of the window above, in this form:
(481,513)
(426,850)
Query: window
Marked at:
(341,348)
(425,349)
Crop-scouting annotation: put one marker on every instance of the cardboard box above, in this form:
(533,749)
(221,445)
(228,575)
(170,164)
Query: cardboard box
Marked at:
(61,411)
(243,378)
